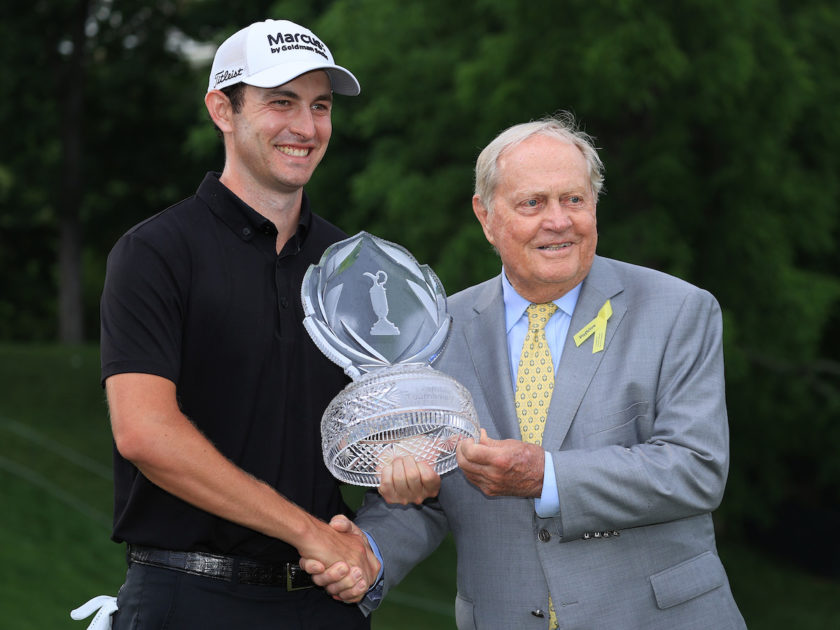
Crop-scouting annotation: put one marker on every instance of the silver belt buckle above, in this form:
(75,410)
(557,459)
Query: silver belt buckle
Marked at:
(289,586)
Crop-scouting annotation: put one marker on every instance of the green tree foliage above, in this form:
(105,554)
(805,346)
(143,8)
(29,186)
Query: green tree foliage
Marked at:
(84,127)
(121,157)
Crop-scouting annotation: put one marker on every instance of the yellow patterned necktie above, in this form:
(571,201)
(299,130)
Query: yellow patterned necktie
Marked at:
(534,384)
(535,377)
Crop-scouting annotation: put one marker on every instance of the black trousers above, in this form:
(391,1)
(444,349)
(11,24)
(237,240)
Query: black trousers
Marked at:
(153,598)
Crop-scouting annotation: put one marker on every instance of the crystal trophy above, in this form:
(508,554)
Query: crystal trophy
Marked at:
(381,316)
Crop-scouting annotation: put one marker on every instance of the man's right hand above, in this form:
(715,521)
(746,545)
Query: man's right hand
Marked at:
(345,549)
(343,580)
(403,480)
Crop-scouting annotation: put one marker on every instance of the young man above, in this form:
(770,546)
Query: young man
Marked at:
(215,391)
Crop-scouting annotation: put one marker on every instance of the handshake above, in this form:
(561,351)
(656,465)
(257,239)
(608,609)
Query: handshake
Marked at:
(343,561)
(340,558)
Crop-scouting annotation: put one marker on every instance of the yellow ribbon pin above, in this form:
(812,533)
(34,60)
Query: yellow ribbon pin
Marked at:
(597,327)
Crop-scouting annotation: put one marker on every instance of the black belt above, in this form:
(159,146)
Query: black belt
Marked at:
(287,575)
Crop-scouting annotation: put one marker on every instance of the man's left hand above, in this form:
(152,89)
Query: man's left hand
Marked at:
(406,480)
(502,467)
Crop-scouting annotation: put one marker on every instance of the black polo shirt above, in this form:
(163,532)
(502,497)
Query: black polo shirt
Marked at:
(197,294)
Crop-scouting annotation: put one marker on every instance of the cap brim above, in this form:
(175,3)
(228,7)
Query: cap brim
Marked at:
(341,79)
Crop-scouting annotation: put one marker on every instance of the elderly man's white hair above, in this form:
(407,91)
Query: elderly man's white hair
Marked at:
(562,126)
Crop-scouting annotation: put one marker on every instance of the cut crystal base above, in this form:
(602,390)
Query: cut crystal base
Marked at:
(407,409)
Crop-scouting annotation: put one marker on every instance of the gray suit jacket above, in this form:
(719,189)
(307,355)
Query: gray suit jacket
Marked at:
(638,433)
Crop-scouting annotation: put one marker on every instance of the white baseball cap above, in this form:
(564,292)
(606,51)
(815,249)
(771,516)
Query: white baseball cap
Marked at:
(271,53)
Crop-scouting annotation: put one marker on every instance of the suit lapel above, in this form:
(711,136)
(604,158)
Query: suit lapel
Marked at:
(579,364)
(487,343)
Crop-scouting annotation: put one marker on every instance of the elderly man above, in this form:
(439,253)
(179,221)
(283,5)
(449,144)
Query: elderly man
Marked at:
(599,384)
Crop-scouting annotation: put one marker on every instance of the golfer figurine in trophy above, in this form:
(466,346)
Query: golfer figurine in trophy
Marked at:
(373,310)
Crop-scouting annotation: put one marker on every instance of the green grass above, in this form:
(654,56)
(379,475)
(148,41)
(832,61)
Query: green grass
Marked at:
(55,453)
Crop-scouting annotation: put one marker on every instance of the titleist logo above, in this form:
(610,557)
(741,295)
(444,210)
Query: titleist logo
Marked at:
(227,75)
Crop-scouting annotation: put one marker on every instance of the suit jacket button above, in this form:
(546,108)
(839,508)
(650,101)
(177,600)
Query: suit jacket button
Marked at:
(538,613)
(544,536)
(587,535)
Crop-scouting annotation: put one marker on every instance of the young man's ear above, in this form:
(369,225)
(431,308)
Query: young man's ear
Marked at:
(220,109)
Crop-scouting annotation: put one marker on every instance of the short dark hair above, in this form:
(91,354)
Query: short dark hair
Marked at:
(236,96)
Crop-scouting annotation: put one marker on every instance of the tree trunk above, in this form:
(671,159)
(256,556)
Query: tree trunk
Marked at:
(68,205)
(70,307)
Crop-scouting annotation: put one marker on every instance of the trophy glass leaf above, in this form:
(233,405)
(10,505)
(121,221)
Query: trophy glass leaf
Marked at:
(376,299)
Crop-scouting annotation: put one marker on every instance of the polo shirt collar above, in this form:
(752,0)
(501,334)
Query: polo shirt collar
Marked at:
(242,219)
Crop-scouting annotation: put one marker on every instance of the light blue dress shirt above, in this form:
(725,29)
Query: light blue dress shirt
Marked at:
(556,330)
